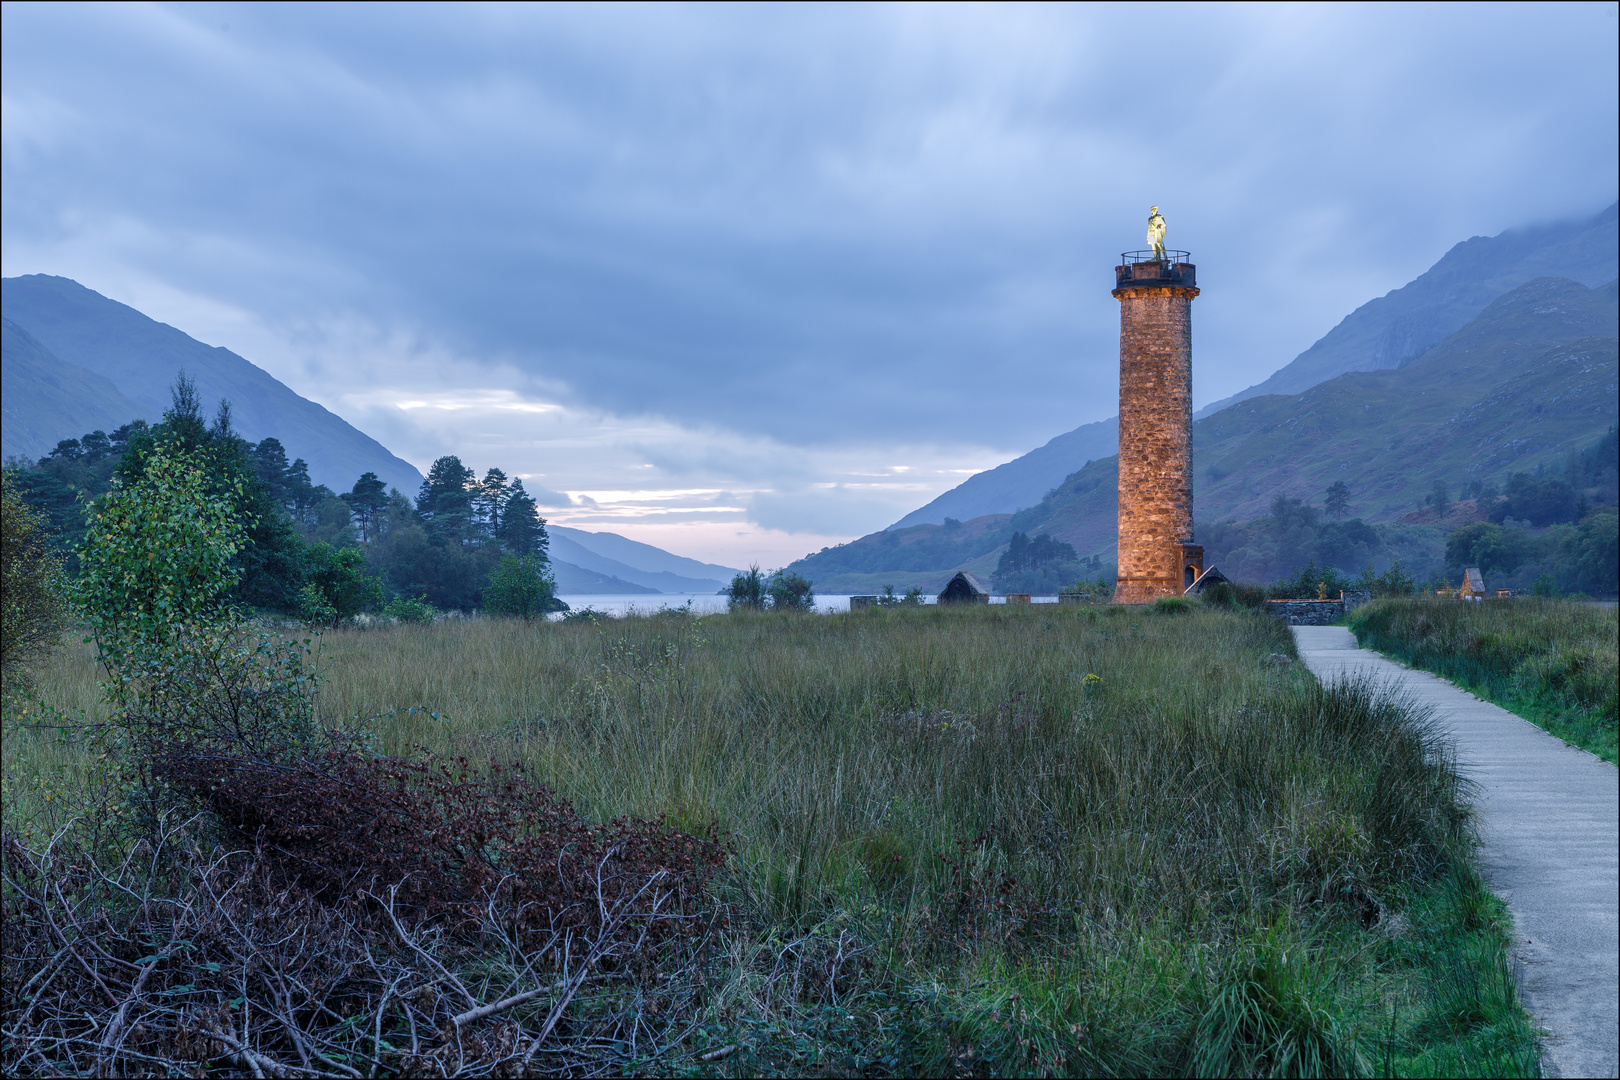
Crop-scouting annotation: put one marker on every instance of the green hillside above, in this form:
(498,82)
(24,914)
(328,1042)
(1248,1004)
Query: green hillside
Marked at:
(1530,381)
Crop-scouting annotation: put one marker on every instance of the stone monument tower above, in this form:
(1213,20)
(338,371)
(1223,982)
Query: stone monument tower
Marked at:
(1155,290)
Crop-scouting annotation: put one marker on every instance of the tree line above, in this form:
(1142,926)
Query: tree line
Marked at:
(464,542)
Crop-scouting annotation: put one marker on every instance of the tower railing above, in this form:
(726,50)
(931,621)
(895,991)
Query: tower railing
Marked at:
(1144,268)
(1131,258)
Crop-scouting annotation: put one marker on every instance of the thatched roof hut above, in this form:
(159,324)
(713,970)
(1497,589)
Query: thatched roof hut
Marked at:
(964,588)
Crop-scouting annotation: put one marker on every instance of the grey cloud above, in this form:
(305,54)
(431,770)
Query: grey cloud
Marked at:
(814,225)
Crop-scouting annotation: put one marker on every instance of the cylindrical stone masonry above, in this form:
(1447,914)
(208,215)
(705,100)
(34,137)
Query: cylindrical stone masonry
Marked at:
(1156,554)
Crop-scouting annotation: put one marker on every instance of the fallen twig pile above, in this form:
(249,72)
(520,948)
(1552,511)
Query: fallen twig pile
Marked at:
(378,931)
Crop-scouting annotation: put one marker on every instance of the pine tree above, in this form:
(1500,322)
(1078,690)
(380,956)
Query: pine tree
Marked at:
(523,532)
(489,502)
(445,498)
(1338,499)
(366,501)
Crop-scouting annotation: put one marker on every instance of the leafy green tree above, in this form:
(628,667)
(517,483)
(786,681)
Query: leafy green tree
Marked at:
(185,675)
(367,500)
(1589,550)
(1540,502)
(790,592)
(1490,547)
(521,586)
(1338,499)
(34,609)
(339,588)
(269,562)
(160,553)
(747,591)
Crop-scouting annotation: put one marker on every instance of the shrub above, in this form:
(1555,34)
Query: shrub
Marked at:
(157,557)
(1232,596)
(183,672)
(409,610)
(790,592)
(747,591)
(34,607)
(522,587)
(338,587)
(1310,582)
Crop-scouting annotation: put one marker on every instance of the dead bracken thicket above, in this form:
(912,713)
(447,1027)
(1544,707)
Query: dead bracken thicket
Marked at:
(378,913)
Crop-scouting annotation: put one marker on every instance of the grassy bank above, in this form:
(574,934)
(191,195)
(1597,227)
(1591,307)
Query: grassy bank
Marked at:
(972,842)
(1553,662)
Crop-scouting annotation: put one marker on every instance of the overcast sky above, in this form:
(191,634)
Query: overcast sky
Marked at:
(743,282)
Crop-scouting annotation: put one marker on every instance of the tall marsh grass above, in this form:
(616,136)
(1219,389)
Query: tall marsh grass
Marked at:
(982,841)
(1554,662)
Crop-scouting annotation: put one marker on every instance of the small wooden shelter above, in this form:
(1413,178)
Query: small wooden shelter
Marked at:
(964,588)
(1473,585)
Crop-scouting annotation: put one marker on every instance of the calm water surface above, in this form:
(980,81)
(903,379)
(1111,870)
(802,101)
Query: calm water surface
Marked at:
(707,603)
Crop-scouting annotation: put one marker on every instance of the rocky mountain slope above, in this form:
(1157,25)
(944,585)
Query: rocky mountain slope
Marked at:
(1387,332)
(140,357)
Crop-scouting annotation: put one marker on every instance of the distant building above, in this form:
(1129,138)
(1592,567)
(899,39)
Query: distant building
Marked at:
(964,588)
(1473,585)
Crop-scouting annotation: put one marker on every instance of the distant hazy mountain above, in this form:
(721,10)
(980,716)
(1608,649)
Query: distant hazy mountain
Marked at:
(44,399)
(1023,481)
(642,564)
(576,581)
(1533,378)
(140,357)
(1383,333)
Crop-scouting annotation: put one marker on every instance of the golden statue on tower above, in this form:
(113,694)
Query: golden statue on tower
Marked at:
(1155,234)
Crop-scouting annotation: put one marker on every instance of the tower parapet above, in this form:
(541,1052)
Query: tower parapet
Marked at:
(1157,556)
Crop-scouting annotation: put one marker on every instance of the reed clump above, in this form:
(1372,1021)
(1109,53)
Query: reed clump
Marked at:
(1554,662)
(975,841)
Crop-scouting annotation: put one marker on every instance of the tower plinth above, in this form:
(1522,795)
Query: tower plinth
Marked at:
(1157,556)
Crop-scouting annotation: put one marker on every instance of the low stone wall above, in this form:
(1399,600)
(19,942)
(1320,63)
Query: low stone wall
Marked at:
(1308,612)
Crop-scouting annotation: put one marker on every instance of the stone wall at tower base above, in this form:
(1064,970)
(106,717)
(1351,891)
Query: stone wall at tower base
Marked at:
(1145,590)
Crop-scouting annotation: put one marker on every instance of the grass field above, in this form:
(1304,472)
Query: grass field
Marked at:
(1554,662)
(995,841)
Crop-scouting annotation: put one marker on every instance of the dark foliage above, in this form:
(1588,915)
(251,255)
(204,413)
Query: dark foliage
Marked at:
(747,591)
(367,500)
(34,610)
(790,592)
(1039,565)
(1539,502)
(348,829)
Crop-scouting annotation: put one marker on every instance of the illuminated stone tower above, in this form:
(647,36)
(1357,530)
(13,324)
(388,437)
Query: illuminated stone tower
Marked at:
(1157,557)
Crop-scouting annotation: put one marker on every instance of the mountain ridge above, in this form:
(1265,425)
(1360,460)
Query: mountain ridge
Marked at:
(1531,379)
(141,357)
(1387,331)
(42,395)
